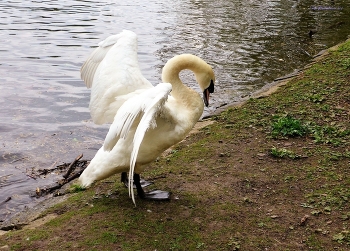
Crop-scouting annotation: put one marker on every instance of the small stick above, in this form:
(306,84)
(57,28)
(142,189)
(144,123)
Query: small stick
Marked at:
(59,185)
(50,189)
(63,181)
(17,160)
(7,199)
(30,176)
(71,166)
(6,176)
(76,175)
(53,165)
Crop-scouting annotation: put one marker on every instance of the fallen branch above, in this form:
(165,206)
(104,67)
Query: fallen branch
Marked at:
(71,166)
(76,175)
(40,192)
(60,184)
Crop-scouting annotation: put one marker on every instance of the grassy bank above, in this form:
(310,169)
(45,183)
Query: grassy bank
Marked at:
(272,174)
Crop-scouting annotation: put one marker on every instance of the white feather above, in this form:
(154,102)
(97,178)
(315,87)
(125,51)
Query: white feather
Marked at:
(112,70)
(150,113)
(133,108)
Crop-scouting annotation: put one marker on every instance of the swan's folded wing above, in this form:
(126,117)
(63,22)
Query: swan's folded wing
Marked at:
(146,105)
(147,121)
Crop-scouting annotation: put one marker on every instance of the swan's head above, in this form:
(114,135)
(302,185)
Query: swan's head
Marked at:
(203,72)
(206,81)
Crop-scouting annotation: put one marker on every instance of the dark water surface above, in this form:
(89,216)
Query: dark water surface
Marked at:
(44,117)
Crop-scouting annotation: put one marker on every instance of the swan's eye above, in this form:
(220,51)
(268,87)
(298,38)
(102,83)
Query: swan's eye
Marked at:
(211,86)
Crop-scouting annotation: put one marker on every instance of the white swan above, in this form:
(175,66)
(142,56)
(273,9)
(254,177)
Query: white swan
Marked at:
(146,119)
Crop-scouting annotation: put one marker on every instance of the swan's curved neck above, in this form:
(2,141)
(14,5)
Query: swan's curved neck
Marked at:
(172,69)
(188,98)
(178,63)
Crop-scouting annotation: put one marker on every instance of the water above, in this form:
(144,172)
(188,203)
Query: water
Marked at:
(44,117)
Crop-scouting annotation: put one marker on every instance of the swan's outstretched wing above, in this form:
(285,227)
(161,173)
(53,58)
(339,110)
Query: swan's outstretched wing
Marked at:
(113,73)
(89,67)
(147,105)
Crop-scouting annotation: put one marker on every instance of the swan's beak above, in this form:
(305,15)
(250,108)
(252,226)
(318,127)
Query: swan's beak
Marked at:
(206,97)
(207,92)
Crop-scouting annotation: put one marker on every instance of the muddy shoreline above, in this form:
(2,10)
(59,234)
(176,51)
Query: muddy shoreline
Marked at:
(31,217)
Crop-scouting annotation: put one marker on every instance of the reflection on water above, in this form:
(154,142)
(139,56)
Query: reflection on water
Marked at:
(252,42)
(44,119)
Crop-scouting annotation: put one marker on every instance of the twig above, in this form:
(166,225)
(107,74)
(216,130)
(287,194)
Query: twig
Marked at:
(50,189)
(7,199)
(53,165)
(17,160)
(59,185)
(65,180)
(76,175)
(6,176)
(71,166)
(31,176)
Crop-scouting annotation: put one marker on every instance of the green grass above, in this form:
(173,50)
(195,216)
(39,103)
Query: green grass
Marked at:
(75,188)
(343,237)
(287,126)
(282,152)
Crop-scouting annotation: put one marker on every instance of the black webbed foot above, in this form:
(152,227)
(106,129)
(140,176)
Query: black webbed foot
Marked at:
(152,195)
(156,195)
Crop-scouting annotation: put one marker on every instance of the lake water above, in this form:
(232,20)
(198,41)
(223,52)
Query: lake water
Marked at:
(44,117)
